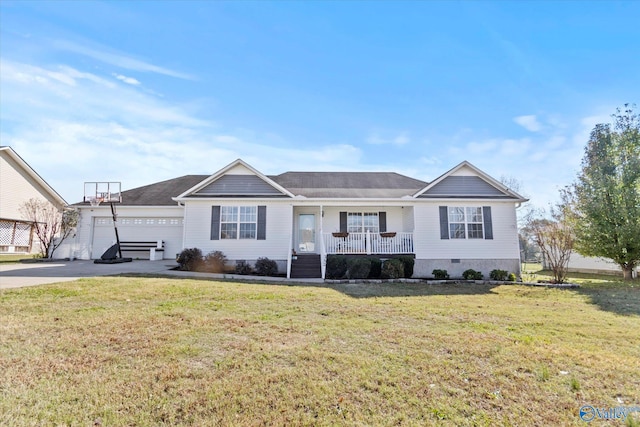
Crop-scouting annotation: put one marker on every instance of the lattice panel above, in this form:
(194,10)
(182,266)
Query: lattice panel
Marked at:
(23,234)
(6,232)
(14,233)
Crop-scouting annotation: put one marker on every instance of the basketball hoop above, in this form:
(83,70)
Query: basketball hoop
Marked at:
(95,201)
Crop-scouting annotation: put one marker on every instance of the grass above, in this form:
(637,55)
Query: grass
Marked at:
(159,351)
(13,259)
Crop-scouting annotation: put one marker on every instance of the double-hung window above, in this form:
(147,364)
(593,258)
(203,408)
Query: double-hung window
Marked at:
(238,222)
(361,222)
(465,223)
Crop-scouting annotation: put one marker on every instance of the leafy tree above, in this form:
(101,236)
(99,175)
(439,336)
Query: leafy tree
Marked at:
(51,225)
(605,198)
(555,239)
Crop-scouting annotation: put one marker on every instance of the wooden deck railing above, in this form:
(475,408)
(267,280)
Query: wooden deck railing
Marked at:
(368,243)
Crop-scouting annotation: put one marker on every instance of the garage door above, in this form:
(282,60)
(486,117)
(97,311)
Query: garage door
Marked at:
(138,229)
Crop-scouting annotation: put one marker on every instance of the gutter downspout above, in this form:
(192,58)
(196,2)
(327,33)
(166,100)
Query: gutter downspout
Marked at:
(323,251)
(290,250)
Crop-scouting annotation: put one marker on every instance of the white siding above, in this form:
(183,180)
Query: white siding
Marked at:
(428,245)
(396,220)
(408,219)
(17,187)
(197,233)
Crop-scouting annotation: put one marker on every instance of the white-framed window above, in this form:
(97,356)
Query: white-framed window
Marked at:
(238,222)
(466,223)
(361,222)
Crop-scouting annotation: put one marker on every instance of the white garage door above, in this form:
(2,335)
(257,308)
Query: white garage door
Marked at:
(138,229)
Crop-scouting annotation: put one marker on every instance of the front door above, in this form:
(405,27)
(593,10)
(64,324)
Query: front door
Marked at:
(306,233)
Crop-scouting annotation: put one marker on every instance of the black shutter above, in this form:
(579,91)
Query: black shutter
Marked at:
(444,222)
(343,222)
(488,223)
(215,222)
(262,223)
(382,221)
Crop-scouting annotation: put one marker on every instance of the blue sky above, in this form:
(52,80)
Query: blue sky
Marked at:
(145,91)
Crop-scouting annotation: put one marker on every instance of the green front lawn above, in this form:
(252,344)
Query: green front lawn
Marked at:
(149,351)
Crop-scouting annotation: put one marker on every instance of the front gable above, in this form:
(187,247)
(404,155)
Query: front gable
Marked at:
(238,179)
(465,181)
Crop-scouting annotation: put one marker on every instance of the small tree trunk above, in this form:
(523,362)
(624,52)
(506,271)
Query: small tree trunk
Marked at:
(627,272)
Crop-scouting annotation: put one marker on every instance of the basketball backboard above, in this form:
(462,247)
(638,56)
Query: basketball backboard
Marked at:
(97,192)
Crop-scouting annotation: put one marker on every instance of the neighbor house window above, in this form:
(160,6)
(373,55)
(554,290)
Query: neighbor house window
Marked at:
(465,223)
(238,222)
(361,222)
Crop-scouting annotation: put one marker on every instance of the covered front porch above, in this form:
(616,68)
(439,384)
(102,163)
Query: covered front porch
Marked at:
(367,230)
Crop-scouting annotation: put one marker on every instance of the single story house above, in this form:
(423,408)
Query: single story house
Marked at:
(19,183)
(462,219)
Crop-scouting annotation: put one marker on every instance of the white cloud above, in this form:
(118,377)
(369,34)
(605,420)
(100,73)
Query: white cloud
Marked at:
(481,147)
(80,127)
(117,59)
(127,80)
(400,139)
(529,122)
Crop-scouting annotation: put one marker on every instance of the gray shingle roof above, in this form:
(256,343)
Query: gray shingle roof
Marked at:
(309,184)
(159,193)
(349,184)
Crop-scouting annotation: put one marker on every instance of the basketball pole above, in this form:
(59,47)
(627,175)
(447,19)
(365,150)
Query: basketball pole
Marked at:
(115,227)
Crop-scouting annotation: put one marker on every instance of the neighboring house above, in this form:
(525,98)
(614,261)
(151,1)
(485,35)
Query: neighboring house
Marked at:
(18,184)
(463,219)
(582,264)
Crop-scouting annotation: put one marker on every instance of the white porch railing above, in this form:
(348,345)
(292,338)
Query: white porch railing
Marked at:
(368,243)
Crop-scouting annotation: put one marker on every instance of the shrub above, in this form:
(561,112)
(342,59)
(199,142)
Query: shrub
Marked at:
(358,268)
(243,267)
(189,259)
(408,262)
(471,274)
(392,269)
(440,274)
(215,261)
(512,277)
(336,268)
(266,267)
(498,275)
(376,268)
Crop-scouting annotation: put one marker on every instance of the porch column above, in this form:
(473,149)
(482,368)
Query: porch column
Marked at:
(367,242)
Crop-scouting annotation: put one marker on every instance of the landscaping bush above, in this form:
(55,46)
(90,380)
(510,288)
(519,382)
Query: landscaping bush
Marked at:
(471,274)
(266,267)
(358,268)
(190,259)
(392,269)
(408,262)
(214,262)
(440,274)
(498,275)
(336,268)
(376,268)
(243,267)
(512,277)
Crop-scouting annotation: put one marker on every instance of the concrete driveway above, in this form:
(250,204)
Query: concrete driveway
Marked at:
(40,273)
